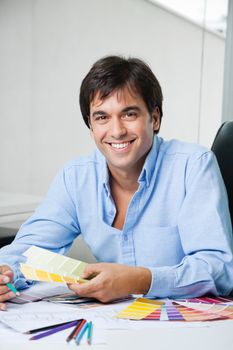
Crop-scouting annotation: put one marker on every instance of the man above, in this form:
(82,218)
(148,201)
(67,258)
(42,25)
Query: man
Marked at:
(154,213)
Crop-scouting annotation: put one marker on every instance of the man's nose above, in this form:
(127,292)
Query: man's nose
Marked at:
(118,128)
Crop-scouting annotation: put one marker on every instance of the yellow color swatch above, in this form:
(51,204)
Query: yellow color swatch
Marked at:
(140,308)
(44,265)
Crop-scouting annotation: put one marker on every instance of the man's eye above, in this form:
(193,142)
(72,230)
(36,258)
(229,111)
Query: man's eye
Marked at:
(130,115)
(100,118)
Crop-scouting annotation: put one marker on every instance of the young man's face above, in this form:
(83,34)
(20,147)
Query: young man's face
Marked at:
(123,129)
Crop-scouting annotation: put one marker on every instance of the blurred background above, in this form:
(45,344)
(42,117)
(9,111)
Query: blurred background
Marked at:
(47,47)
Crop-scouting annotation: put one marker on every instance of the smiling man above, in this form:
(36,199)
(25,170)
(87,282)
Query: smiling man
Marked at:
(153,212)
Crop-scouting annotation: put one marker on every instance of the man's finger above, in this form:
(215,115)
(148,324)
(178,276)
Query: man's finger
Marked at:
(2,307)
(93,295)
(4,279)
(4,269)
(7,296)
(3,289)
(5,275)
(92,269)
(84,289)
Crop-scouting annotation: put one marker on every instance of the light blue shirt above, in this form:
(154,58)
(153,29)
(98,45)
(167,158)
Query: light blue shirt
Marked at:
(177,223)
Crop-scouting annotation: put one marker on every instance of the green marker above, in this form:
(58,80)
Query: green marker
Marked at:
(89,332)
(12,288)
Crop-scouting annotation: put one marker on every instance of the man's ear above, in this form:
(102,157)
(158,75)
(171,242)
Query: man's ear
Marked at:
(90,127)
(156,119)
(91,132)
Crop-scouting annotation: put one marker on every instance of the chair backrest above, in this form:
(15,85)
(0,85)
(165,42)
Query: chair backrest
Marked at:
(223,149)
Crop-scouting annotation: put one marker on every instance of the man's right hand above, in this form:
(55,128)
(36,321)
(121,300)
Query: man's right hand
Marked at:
(6,275)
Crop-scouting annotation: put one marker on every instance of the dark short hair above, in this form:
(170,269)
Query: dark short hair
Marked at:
(113,73)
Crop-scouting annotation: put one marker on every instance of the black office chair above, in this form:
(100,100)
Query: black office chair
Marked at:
(5,241)
(223,149)
(7,235)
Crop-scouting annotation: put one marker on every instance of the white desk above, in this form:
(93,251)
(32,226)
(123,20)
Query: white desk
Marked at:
(15,208)
(218,336)
(215,335)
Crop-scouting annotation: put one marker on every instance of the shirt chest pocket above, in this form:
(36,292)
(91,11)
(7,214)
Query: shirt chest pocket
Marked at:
(158,246)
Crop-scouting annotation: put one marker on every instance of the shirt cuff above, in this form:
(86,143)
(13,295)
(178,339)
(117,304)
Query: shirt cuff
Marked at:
(19,281)
(162,282)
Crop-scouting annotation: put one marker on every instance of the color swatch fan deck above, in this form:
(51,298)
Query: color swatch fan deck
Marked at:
(178,310)
(44,265)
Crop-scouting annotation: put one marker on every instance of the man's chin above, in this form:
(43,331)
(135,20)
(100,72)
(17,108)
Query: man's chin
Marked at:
(120,166)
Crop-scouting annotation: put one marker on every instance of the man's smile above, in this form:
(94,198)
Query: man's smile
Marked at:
(120,145)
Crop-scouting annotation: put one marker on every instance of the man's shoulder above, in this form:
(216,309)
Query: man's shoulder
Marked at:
(84,162)
(183,149)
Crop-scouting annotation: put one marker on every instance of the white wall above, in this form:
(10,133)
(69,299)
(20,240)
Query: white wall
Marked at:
(47,46)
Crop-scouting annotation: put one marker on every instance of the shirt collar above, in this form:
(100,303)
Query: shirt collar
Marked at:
(149,165)
(147,170)
(104,173)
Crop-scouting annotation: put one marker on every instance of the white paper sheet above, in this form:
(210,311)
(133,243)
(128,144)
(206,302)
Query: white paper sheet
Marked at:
(40,314)
(23,318)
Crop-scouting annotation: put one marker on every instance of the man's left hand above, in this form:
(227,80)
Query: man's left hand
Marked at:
(112,281)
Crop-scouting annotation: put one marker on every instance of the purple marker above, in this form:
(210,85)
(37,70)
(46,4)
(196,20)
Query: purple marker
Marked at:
(54,330)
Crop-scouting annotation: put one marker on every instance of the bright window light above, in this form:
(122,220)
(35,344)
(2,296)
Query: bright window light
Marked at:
(212,14)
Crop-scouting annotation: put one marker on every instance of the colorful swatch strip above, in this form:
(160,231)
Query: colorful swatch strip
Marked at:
(44,265)
(171,310)
(210,300)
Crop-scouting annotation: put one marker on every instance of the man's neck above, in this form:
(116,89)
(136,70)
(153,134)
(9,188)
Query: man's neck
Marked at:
(126,180)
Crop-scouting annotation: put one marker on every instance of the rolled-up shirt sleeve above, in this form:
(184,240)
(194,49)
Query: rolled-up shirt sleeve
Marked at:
(206,236)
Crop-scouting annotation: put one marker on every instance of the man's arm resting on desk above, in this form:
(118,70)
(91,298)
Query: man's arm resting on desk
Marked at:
(196,275)
(113,281)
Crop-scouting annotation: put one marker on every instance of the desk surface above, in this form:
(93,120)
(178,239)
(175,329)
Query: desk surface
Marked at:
(159,335)
(218,335)
(15,208)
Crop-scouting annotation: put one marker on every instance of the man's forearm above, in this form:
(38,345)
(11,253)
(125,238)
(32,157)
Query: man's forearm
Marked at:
(141,280)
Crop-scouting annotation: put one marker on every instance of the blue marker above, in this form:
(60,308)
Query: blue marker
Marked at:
(81,333)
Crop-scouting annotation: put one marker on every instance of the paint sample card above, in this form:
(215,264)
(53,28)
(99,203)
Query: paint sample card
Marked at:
(210,300)
(220,309)
(173,310)
(142,308)
(44,265)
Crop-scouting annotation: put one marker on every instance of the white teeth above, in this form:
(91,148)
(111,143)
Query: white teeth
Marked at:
(120,145)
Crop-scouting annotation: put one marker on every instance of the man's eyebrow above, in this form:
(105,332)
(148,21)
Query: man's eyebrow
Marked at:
(130,108)
(98,113)
(124,110)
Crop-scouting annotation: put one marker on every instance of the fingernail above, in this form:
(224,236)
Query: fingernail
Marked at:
(3,307)
(11,295)
(6,279)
